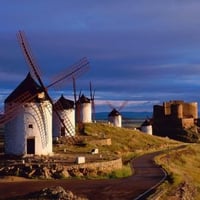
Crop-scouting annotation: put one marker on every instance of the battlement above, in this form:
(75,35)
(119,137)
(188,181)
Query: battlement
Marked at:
(176,109)
(171,118)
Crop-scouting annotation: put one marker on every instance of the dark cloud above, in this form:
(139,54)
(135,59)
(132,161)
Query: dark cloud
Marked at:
(138,50)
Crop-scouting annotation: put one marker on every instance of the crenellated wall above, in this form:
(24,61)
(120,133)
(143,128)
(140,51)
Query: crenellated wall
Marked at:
(171,118)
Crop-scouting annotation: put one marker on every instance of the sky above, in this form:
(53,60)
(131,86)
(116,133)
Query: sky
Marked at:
(140,52)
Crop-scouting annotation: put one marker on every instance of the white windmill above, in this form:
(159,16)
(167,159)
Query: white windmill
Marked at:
(146,127)
(30,131)
(28,111)
(115,117)
(85,107)
(65,108)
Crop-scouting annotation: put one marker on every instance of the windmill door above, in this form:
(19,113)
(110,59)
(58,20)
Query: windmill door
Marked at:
(31,146)
(62,130)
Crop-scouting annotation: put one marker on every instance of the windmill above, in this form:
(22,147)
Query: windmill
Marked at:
(42,98)
(115,117)
(66,110)
(83,107)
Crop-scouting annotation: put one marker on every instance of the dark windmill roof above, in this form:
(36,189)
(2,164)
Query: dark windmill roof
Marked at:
(83,99)
(64,103)
(146,123)
(27,86)
(114,113)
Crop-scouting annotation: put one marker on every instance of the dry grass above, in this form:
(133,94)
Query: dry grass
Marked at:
(125,142)
(183,166)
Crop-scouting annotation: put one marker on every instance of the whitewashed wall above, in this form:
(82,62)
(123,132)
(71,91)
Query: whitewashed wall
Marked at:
(68,116)
(147,129)
(32,121)
(86,113)
(115,120)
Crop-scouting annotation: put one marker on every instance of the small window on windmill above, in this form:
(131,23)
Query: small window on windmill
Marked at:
(30,126)
(41,95)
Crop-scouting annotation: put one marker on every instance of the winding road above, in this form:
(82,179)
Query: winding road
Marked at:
(147,176)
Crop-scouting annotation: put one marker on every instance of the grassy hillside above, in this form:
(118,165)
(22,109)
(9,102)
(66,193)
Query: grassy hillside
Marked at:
(183,168)
(182,165)
(125,142)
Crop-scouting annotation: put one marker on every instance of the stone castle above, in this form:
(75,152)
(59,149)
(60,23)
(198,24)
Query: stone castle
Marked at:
(172,117)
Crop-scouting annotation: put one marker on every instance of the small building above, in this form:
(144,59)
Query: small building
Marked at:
(146,127)
(83,110)
(29,130)
(115,118)
(66,111)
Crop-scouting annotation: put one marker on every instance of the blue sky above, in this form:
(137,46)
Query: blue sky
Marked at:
(144,52)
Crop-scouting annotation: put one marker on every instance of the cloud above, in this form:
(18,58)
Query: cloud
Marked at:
(138,50)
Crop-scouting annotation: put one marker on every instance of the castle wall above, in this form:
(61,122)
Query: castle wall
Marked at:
(176,116)
(187,122)
(167,108)
(190,110)
(177,110)
(158,111)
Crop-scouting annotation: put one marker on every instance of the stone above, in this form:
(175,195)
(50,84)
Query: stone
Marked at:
(95,151)
(80,159)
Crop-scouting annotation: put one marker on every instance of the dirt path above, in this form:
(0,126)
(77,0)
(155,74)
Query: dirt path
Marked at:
(147,174)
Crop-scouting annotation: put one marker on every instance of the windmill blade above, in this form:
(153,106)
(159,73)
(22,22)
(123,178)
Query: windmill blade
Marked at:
(92,94)
(93,109)
(124,103)
(74,71)
(110,105)
(34,69)
(79,96)
(74,89)
(36,73)
(12,110)
(90,90)
(58,106)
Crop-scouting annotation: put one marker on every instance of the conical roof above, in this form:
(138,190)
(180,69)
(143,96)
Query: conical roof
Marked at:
(146,123)
(114,113)
(83,99)
(27,86)
(64,103)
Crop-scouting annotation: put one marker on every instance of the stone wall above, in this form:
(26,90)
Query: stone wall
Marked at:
(187,122)
(59,170)
(101,142)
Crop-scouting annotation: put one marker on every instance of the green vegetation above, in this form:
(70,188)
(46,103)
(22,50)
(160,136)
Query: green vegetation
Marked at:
(121,173)
(183,168)
(182,165)
(125,143)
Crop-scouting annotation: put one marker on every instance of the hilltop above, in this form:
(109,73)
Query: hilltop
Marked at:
(128,144)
